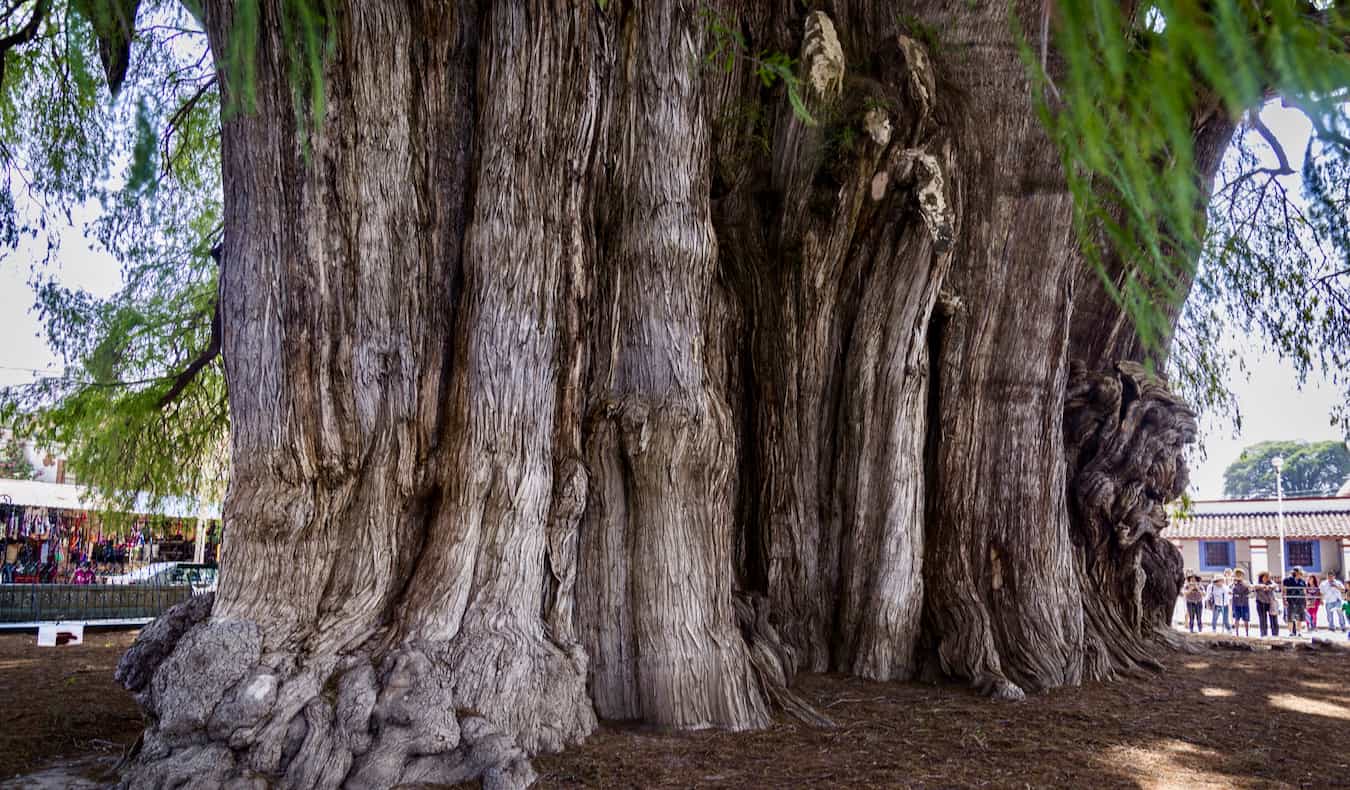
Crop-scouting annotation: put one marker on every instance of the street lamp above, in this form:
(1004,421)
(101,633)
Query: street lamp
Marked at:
(1278,463)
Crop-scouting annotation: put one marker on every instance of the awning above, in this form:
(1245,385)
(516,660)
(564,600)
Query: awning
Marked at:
(35,493)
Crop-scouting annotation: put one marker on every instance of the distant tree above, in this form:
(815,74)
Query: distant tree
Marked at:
(1310,469)
(14,464)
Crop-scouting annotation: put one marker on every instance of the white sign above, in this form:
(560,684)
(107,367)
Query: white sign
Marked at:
(58,634)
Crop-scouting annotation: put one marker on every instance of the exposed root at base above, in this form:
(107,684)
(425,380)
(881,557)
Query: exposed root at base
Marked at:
(222,713)
(1002,689)
(773,661)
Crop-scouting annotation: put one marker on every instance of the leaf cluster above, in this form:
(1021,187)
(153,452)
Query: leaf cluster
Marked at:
(1124,103)
(144,165)
(729,44)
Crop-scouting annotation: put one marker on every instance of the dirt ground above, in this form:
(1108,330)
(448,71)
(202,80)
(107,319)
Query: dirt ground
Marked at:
(1217,718)
(62,701)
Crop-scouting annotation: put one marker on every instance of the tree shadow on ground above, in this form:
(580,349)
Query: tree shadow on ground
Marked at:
(1215,718)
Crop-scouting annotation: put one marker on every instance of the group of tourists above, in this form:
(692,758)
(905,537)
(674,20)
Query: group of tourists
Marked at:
(1296,599)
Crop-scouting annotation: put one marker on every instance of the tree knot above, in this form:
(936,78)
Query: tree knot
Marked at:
(823,56)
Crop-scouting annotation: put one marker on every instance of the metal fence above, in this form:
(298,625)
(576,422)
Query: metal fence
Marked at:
(31,603)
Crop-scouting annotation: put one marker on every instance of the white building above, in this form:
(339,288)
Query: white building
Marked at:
(1215,535)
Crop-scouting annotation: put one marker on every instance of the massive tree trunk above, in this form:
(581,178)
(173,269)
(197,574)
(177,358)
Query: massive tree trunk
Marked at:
(571,376)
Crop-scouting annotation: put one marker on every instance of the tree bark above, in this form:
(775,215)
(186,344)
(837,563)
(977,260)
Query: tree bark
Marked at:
(1003,601)
(572,377)
(658,434)
(1126,436)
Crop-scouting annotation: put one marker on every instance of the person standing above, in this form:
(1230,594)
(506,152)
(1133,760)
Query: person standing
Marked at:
(1266,594)
(1240,592)
(1194,594)
(1314,601)
(1295,600)
(1217,596)
(1333,598)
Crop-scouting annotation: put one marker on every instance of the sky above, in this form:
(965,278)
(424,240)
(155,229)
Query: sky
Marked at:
(1272,407)
(1271,403)
(23,346)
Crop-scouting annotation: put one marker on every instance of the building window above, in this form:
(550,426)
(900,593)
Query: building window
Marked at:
(1217,555)
(1306,554)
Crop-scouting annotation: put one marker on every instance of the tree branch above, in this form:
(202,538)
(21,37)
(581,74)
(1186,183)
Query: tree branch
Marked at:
(24,34)
(1269,137)
(1284,169)
(177,118)
(208,354)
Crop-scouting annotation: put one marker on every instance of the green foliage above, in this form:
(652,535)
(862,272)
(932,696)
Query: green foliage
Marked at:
(1310,469)
(1124,111)
(147,167)
(14,464)
(142,170)
(730,44)
(307,40)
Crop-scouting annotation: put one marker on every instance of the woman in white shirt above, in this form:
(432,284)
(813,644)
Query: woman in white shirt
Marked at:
(1218,597)
(1333,593)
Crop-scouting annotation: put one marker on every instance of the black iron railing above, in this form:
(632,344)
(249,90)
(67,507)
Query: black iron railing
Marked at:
(27,603)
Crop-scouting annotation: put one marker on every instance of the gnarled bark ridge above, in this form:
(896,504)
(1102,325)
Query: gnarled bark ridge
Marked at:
(1125,434)
(571,377)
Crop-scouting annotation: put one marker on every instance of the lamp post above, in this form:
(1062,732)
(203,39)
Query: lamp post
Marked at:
(1278,463)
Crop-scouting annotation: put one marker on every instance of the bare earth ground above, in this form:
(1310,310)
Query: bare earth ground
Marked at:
(62,701)
(1217,718)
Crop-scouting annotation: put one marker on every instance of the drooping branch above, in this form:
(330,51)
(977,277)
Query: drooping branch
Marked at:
(1273,142)
(24,34)
(207,355)
(179,117)
(1284,168)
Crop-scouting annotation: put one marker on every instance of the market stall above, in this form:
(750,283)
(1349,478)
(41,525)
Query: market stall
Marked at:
(52,534)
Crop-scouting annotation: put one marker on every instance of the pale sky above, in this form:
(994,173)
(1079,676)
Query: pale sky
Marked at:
(23,344)
(1271,403)
(1272,407)
(1269,399)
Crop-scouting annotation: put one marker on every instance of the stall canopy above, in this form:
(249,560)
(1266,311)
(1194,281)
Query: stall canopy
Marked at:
(35,493)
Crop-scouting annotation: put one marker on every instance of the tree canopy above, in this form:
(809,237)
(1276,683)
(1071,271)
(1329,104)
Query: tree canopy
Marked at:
(140,405)
(1310,469)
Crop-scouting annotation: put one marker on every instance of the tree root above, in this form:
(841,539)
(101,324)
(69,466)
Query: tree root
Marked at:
(222,712)
(1000,688)
(773,661)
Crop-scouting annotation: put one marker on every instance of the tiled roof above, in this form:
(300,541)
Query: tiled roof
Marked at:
(1327,517)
